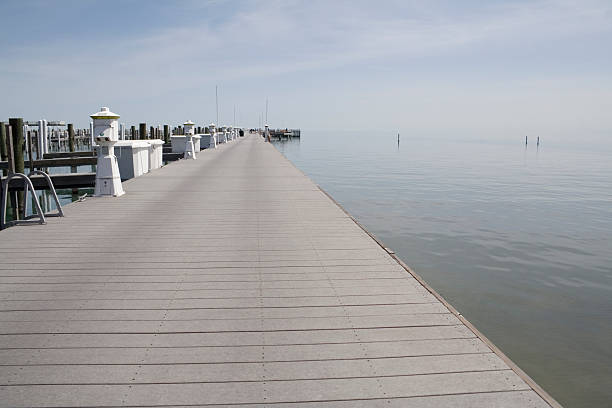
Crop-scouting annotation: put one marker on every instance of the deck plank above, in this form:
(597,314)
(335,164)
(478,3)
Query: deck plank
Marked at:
(232,279)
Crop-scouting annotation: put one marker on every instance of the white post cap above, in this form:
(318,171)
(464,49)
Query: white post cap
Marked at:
(104,113)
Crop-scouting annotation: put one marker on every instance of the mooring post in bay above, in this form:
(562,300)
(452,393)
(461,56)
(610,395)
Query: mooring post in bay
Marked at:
(11,168)
(71,137)
(166,134)
(189,147)
(122,131)
(151,132)
(4,156)
(17,138)
(142,131)
(106,128)
(29,146)
(538,141)
(71,147)
(525,140)
(3,148)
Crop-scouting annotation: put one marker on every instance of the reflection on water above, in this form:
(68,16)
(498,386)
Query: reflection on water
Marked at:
(517,238)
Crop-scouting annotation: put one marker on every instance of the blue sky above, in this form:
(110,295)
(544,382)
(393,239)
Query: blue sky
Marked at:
(434,67)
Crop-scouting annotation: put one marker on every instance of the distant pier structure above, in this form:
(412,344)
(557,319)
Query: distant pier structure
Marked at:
(284,133)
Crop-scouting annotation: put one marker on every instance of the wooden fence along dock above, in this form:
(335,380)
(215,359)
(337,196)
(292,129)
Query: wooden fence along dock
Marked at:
(230,280)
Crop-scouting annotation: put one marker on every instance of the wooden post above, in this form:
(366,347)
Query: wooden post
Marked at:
(152,133)
(73,169)
(133,132)
(35,147)
(30,155)
(3,148)
(71,137)
(9,145)
(17,138)
(166,134)
(142,131)
(11,169)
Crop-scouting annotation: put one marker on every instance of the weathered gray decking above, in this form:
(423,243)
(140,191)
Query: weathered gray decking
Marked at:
(229,280)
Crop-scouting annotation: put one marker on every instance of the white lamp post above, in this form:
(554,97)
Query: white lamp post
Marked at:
(267,133)
(105,134)
(189,147)
(212,128)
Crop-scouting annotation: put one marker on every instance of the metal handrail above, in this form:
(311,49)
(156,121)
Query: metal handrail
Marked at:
(27,185)
(59,212)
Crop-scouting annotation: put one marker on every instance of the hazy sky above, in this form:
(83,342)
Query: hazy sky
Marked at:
(465,67)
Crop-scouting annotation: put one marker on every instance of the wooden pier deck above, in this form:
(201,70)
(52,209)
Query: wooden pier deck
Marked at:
(231,280)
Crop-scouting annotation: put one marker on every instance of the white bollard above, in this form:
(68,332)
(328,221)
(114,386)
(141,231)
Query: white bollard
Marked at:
(222,135)
(189,147)
(108,179)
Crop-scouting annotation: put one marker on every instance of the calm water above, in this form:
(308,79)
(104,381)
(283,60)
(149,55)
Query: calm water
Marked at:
(518,240)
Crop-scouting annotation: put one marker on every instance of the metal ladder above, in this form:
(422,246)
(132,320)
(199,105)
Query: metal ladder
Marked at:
(28,186)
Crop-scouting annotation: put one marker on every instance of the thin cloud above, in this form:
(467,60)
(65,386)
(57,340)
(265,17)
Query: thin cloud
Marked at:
(227,41)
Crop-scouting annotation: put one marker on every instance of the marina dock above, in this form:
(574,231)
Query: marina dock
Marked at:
(231,280)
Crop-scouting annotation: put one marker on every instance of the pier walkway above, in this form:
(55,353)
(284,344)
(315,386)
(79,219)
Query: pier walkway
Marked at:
(230,280)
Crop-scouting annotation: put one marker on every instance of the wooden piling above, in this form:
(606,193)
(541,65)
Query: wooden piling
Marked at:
(142,131)
(3,148)
(71,137)
(73,169)
(166,134)
(11,169)
(132,132)
(17,138)
(30,155)
(35,145)
(152,132)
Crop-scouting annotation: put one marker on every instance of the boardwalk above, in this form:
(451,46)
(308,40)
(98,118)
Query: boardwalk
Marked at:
(231,280)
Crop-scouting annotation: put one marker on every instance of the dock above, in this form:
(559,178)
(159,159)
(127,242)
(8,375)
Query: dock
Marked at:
(231,280)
